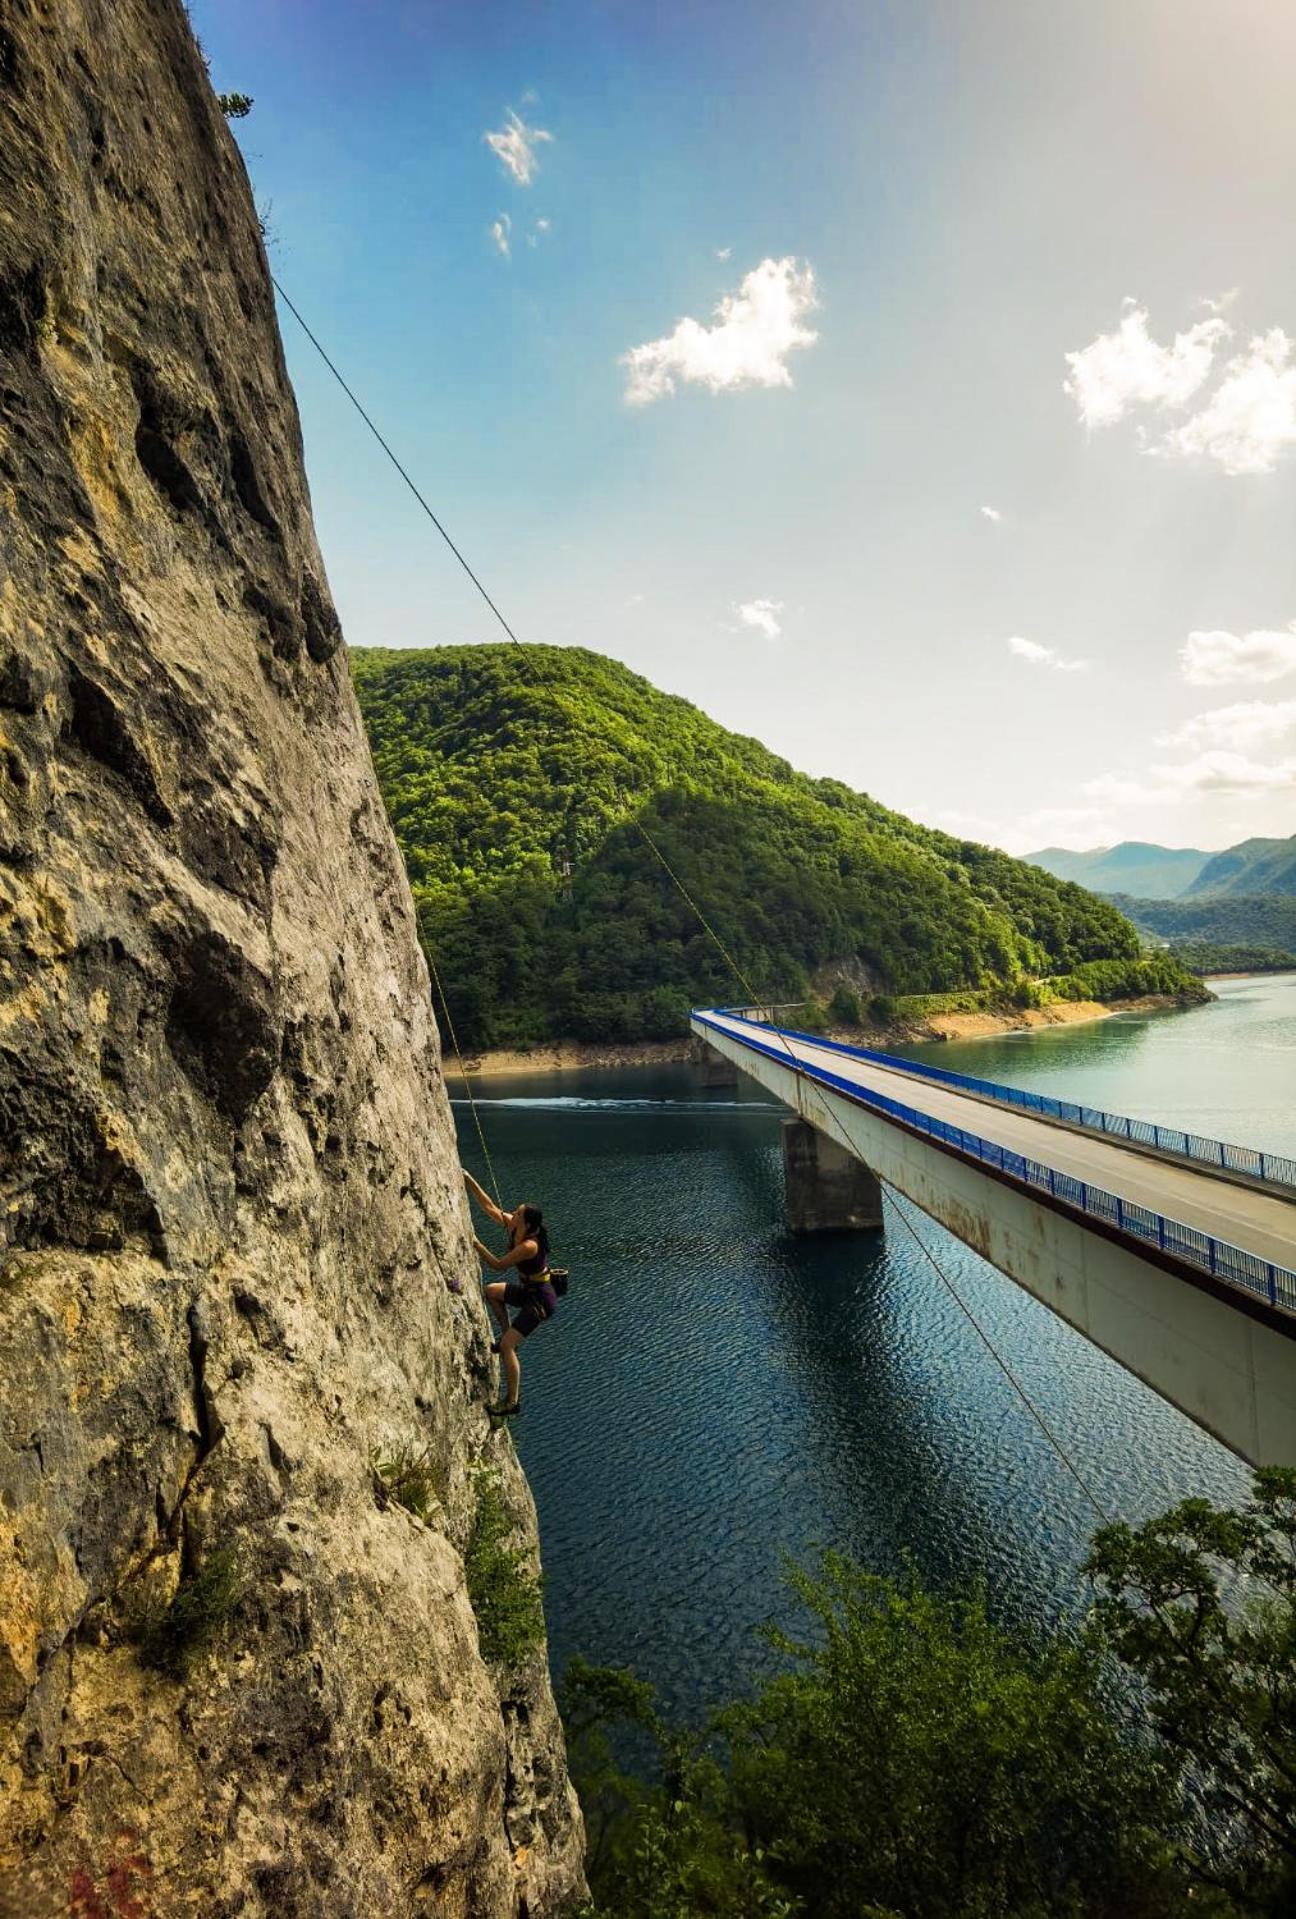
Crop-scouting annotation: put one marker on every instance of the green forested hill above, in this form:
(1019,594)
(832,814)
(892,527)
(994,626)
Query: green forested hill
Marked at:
(1252,868)
(1268,921)
(497,764)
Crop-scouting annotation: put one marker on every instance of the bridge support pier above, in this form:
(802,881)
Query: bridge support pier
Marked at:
(828,1189)
(716,1069)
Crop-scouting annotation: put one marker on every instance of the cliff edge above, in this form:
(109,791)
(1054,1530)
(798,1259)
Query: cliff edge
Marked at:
(230,1199)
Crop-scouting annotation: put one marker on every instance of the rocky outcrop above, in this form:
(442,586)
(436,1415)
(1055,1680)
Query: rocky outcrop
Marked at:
(229,1194)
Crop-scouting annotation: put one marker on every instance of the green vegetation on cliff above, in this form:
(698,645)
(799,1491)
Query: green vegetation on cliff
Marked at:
(498,766)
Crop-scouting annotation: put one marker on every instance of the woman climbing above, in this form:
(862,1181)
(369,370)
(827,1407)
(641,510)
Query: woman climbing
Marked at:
(531,1291)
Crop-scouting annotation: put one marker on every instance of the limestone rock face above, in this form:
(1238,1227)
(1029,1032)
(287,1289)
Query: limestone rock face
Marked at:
(230,1201)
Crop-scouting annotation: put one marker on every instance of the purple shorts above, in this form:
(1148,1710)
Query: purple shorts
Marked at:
(535,1300)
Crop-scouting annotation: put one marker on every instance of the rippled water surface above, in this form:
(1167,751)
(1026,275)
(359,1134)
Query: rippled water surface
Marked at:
(714,1393)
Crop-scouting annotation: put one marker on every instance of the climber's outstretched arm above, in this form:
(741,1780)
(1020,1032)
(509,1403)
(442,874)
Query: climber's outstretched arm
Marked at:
(485,1201)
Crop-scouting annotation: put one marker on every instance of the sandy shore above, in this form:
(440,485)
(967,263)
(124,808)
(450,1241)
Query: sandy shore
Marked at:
(1070,1012)
(568,1056)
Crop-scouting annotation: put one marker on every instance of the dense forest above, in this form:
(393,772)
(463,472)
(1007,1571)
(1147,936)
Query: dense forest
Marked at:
(517,781)
(1208,956)
(1267,921)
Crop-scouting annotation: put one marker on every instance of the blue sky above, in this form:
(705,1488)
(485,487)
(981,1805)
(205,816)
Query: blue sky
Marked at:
(950,200)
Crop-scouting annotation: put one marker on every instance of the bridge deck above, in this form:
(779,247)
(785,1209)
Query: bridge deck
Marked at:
(1260,1222)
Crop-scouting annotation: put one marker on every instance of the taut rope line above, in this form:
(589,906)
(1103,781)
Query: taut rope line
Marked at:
(752,998)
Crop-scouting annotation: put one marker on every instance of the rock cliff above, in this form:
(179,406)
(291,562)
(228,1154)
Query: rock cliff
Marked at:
(229,1193)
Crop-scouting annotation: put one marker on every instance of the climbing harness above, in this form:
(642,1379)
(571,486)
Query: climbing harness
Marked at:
(753,998)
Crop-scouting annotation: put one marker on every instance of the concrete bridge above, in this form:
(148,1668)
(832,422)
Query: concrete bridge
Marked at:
(1175,1254)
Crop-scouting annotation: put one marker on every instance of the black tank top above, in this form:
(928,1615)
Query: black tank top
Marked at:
(534,1268)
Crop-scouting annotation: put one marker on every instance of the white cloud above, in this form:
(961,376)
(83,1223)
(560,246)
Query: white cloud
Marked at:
(500,233)
(1091,822)
(537,232)
(1225,659)
(968,826)
(1042,826)
(1082,826)
(1250,723)
(515,144)
(1127,367)
(723,253)
(992,513)
(761,614)
(1216,771)
(1250,419)
(1036,655)
(755,329)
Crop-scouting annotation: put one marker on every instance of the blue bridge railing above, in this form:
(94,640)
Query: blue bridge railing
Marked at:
(1277,1169)
(1232,1264)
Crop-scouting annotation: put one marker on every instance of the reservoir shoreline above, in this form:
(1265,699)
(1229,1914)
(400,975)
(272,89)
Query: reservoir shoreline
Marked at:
(567,1056)
(838,1369)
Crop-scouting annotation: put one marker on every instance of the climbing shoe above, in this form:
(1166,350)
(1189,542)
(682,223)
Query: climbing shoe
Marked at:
(503,1410)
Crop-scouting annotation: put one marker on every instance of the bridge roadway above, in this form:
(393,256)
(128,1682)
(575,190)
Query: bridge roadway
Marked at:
(1183,1272)
(1241,1214)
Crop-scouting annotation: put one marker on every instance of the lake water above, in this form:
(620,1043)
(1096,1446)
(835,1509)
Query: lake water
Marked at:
(715,1394)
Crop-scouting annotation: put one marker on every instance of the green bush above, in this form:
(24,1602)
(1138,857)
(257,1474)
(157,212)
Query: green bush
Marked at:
(921,1005)
(171,1637)
(1152,974)
(844,1008)
(912,1760)
(918,1758)
(408,1478)
(504,1591)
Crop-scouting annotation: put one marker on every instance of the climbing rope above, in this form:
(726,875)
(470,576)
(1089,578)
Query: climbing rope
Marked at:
(894,1201)
(538,680)
(892,1198)
(753,999)
(463,1074)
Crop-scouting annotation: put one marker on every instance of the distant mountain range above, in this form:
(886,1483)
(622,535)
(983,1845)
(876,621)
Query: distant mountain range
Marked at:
(1253,869)
(1135,867)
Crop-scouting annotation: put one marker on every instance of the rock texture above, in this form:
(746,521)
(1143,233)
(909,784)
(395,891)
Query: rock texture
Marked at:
(229,1193)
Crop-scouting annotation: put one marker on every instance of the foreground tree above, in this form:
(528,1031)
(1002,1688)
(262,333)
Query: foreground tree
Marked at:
(913,1761)
(1202,1604)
